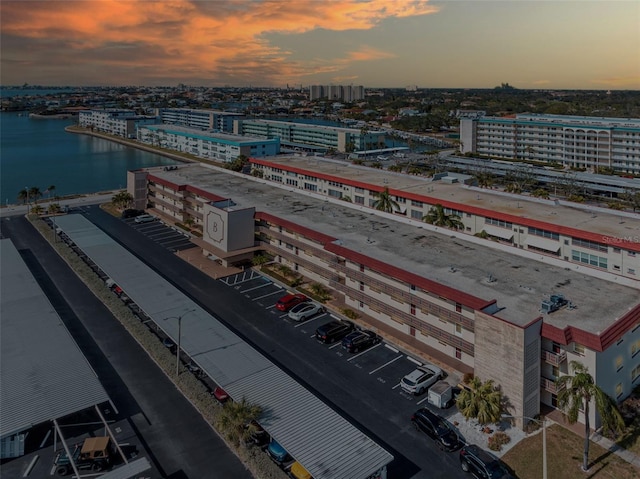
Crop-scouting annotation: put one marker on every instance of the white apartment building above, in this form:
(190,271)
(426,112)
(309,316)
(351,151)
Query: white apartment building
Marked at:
(222,147)
(571,141)
(201,119)
(601,241)
(117,122)
(472,306)
(299,135)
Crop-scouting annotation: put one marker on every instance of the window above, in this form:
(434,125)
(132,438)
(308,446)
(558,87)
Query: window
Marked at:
(497,222)
(590,259)
(589,244)
(631,271)
(413,309)
(359,200)
(458,308)
(416,203)
(544,234)
(361,285)
(635,347)
(578,349)
(619,390)
(459,329)
(635,373)
(619,363)
(417,215)
(459,353)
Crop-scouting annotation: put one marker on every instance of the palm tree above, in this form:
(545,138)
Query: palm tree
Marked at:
(34,193)
(482,401)
(50,190)
(437,217)
(23,195)
(575,395)
(385,201)
(122,200)
(235,419)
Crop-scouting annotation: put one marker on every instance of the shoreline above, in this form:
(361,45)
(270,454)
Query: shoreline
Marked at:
(132,143)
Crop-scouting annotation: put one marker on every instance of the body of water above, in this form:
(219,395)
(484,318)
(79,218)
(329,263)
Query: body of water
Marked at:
(41,153)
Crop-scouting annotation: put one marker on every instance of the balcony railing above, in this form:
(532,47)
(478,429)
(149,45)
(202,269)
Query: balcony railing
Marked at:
(555,359)
(549,385)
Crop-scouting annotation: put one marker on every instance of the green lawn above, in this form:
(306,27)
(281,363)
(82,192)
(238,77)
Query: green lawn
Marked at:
(564,458)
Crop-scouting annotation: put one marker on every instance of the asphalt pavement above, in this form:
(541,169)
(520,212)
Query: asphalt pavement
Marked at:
(175,437)
(375,406)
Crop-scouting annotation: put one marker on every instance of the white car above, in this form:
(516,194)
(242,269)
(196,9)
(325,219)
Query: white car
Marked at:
(144,219)
(421,379)
(303,311)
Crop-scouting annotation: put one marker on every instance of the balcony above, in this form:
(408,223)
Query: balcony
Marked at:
(555,359)
(549,385)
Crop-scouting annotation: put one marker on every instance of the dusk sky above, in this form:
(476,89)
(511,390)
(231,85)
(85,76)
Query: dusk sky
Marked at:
(376,43)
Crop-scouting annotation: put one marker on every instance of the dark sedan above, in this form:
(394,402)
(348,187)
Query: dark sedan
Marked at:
(360,340)
(437,429)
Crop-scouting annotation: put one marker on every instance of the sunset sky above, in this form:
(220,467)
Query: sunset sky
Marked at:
(560,44)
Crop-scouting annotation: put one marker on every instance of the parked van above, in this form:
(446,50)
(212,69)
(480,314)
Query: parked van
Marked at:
(299,472)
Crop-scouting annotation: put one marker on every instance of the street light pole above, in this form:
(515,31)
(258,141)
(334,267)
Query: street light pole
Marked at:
(179,318)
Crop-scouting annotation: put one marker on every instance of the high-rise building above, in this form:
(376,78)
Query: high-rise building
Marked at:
(346,93)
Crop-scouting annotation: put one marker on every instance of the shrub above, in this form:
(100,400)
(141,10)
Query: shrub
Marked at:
(466,379)
(350,313)
(498,440)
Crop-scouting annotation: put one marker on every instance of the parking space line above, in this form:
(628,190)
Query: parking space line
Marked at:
(414,361)
(391,348)
(396,386)
(335,317)
(256,287)
(386,364)
(266,296)
(249,279)
(308,321)
(335,345)
(363,352)
(423,400)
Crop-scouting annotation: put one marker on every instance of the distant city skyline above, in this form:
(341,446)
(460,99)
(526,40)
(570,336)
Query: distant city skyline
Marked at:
(274,43)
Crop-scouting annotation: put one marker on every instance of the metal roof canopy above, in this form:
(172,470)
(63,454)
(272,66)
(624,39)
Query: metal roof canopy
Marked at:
(44,374)
(291,414)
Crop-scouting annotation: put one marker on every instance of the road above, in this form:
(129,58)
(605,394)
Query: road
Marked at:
(371,405)
(179,442)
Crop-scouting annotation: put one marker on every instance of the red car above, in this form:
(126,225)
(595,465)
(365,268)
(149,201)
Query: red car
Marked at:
(220,394)
(290,300)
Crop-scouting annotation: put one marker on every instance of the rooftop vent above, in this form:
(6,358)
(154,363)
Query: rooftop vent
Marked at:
(554,303)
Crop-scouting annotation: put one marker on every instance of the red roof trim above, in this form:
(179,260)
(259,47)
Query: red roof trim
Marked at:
(563,230)
(204,193)
(163,182)
(321,238)
(593,341)
(410,278)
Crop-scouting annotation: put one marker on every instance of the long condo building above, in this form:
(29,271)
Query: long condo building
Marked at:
(306,136)
(515,305)
(579,142)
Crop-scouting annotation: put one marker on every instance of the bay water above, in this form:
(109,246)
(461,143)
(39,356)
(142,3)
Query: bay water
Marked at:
(39,152)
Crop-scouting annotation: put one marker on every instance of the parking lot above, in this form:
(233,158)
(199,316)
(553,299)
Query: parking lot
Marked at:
(383,364)
(170,237)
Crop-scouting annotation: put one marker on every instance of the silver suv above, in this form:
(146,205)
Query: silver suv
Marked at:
(421,379)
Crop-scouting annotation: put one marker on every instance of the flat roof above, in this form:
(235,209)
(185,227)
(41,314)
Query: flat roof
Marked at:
(44,374)
(463,262)
(290,412)
(209,134)
(581,217)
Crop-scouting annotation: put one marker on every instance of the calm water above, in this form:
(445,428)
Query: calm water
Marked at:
(40,153)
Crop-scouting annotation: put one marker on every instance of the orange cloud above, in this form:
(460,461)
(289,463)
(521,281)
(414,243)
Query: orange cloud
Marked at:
(191,38)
